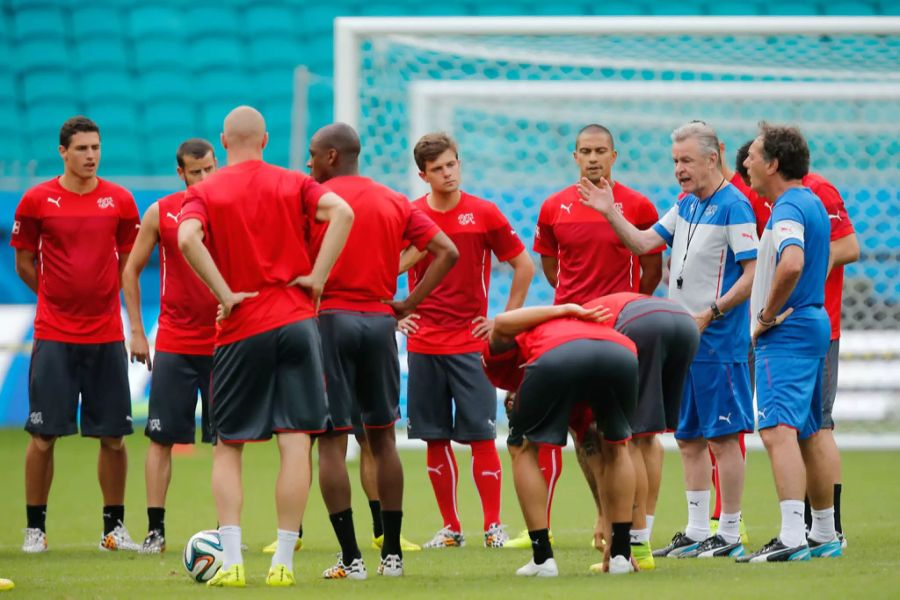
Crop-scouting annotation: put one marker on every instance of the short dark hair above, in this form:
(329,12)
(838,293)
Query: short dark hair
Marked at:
(432,145)
(786,145)
(739,159)
(195,148)
(77,124)
(596,128)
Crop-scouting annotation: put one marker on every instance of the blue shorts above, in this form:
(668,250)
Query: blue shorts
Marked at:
(789,392)
(717,401)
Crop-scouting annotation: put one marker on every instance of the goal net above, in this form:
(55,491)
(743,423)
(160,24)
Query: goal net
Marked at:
(514,92)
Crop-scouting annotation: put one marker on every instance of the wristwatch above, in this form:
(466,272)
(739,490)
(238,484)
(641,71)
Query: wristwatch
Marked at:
(716,313)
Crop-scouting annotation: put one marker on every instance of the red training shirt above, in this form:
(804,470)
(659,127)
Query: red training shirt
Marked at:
(593,261)
(385,222)
(841,226)
(257,219)
(506,370)
(77,239)
(187,309)
(477,227)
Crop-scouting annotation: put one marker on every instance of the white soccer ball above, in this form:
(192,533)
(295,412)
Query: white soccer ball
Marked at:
(203,555)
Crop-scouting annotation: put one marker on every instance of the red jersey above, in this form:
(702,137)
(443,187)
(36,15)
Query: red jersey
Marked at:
(77,239)
(615,303)
(385,222)
(257,219)
(187,309)
(506,370)
(593,261)
(841,226)
(477,227)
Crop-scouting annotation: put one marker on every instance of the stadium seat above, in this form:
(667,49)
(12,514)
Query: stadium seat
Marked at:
(114,116)
(319,18)
(685,8)
(43,120)
(116,145)
(212,53)
(37,23)
(211,21)
(93,52)
(499,9)
(384,8)
(165,85)
(267,20)
(170,116)
(223,84)
(43,86)
(889,8)
(160,147)
(105,85)
(850,8)
(785,9)
(8,89)
(428,9)
(47,53)
(151,53)
(212,114)
(735,7)
(117,164)
(617,8)
(554,9)
(95,21)
(155,21)
(274,84)
(277,52)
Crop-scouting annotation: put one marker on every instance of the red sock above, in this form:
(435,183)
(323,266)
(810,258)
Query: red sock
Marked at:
(444,475)
(715,476)
(487,472)
(550,460)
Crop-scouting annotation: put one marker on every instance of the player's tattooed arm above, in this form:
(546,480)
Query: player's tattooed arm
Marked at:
(26,268)
(147,237)
(587,450)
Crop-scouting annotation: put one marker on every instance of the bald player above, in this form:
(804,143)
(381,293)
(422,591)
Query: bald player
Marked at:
(245,232)
(357,321)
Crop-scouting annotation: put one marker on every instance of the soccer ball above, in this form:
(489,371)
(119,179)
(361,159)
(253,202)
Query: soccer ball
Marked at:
(203,555)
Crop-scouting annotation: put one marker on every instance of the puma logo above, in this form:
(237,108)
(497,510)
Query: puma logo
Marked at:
(55,201)
(436,470)
(727,419)
(761,413)
(566,207)
(494,474)
(836,215)
(747,235)
(768,205)
(173,217)
(694,502)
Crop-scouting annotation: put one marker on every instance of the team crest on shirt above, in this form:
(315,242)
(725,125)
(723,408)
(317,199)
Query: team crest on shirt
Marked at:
(106,202)
(16,227)
(467,219)
(710,210)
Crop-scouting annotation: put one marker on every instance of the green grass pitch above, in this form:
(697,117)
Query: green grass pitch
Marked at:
(75,568)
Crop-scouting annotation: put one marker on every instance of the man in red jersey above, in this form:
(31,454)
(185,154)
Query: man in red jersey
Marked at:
(556,357)
(446,334)
(72,236)
(184,338)
(583,259)
(844,250)
(245,232)
(357,323)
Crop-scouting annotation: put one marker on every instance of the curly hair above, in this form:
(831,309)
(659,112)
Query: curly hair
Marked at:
(786,145)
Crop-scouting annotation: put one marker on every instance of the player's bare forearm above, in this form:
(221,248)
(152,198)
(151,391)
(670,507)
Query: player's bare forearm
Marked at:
(651,273)
(523,274)
(134,265)
(445,256)
(741,289)
(339,216)
(844,251)
(550,266)
(190,242)
(409,257)
(787,274)
(26,269)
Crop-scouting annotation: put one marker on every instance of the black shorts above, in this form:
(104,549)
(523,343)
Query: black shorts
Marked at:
(269,383)
(667,338)
(362,369)
(603,373)
(440,382)
(829,383)
(61,371)
(176,380)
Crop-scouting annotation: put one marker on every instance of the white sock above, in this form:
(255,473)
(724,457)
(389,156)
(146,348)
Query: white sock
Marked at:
(284,554)
(822,525)
(729,527)
(792,525)
(639,536)
(231,544)
(698,515)
(649,526)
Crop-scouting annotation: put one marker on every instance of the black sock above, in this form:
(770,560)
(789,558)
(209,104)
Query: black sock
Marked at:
(37,516)
(300,532)
(807,513)
(156,519)
(377,527)
(837,508)
(343,529)
(621,540)
(540,545)
(112,516)
(392,521)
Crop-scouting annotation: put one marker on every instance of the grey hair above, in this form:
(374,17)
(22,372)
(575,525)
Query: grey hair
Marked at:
(704,134)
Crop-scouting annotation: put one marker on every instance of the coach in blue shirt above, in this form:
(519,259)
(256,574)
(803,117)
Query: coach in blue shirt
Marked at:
(791,335)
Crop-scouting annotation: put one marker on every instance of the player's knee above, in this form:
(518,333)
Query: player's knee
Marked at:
(43,443)
(113,443)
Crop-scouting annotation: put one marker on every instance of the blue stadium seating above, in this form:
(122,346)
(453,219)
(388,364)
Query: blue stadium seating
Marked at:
(173,84)
(47,86)
(114,117)
(210,53)
(91,21)
(278,51)
(265,21)
(106,85)
(8,91)
(159,53)
(170,116)
(212,21)
(797,8)
(99,52)
(850,7)
(155,21)
(43,53)
(38,22)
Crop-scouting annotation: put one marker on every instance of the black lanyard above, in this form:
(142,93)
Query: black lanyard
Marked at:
(692,229)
